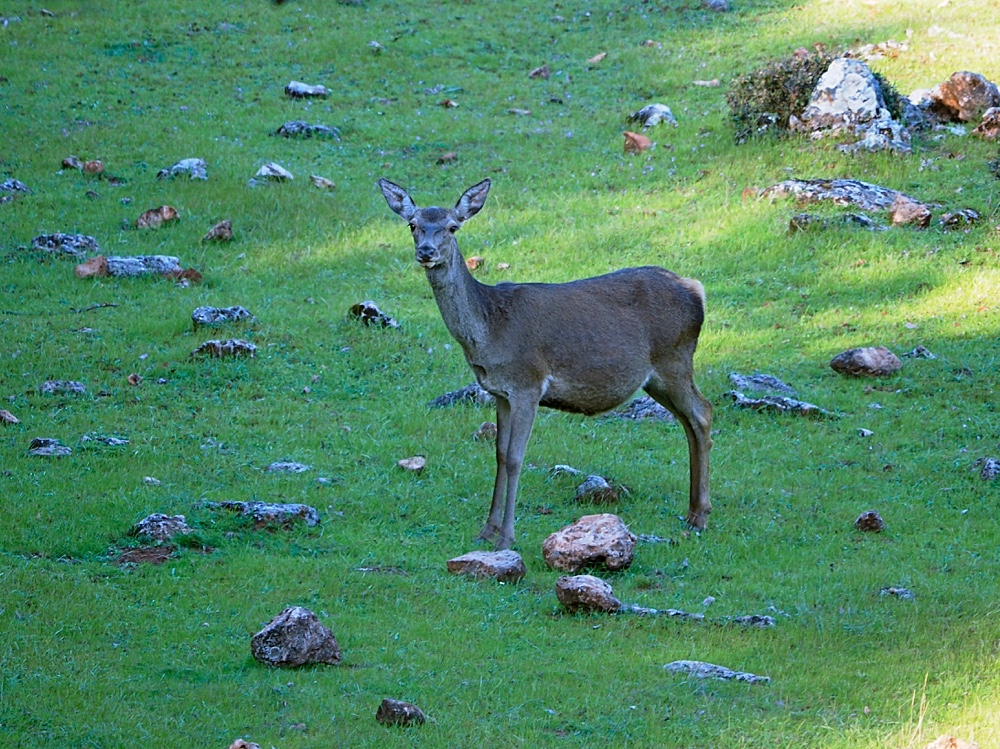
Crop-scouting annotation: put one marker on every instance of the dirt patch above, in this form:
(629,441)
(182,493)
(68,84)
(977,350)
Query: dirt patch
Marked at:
(145,555)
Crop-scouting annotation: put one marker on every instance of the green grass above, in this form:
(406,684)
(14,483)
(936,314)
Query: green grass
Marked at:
(96,655)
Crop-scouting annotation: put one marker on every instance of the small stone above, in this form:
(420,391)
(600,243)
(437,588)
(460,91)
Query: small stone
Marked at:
(636,143)
(142,265)
(104,439)
(48,447)
(561,469)
(193,168)
(776,404)
(951,742)
(474,263)
(761,382)
(72,162)
(593,540)
(542,72)
(447,158)
(586,593)
(963,97)
(473,394)
(96,267)
(270,513)
(920,352)
(487,432)
(874,361)
(989,468)
(232,348)
(221,232)
(415,464)
(62,387)
(597,490)
(397,713)
(299,90)
(503,566)
(901,593)
(295,637)
(322,182)
(156,217)
(716,6)
(989,128)
(217,315)
(6,417)
(302,129)
(160,527)
(13,185)
(74,245)
(958,219)
(644,407)
(287,466)
(702,670)
(93,167)
(865,432)
(905,211)
(271,172)
(755,620)
(870,522)
(369,313)
(151,481)
(244,744)
(653,114)
(842,192)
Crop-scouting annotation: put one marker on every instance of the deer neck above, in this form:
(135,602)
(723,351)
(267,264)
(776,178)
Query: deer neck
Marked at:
(459,298)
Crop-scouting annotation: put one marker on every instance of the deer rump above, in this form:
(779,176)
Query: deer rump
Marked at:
(591,343)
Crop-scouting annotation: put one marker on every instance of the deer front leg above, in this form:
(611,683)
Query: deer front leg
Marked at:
(522,417)
(492,527)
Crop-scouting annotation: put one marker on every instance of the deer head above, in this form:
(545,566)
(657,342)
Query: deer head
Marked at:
(434,229)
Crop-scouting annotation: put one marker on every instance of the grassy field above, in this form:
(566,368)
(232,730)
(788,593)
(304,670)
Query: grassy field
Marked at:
(96,654)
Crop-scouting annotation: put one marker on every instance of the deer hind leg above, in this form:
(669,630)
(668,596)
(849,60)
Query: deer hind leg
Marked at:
(673,387)
(495,518)
(522,417)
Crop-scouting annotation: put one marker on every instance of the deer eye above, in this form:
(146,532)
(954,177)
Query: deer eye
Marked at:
(453,228)
(413,226)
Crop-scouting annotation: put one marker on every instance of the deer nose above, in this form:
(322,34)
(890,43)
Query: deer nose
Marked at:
(426,253)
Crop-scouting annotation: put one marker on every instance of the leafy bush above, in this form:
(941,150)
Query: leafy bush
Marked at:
(762,101)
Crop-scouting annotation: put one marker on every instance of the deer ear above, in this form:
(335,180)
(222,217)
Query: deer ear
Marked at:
(472,200)
(398,199)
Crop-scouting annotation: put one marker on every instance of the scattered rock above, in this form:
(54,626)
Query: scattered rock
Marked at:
(873,361)
(396,713)
(671,613)
(593,540)
(889,48)
(447,158)
(74,245)
(62,387)
(241,743)
(703,670)
(160,527)
(865,433)
(989,128)
(48,447)
(644,407)
(775,404)
(950,742)
(96,267)
(322,182)
(221,232)
(713,83)
(140,265)
(586,593)
(156,217)
(901,593)
(299,90)
(268,513)
(881,134)
(270,172)
(755,620)
(184,277)
(474,263)
(597,58)
(14,185)
(762,382)
(989,468)
(487,432)
(905,210)
(415,464)
(653,114)
(217,315)
(843,192)
(104,439)
(597,490)
(920,352)
(193,168)
(870,522)
(846,95)
(473,394)
(963,97)
(151,481)
(295,637)
(504,566)
(636,143)
(302,129)
(72,162)
(232,348)
(287,466)
(93,167)
(6,417)
(542,72)
(134,379)
(369,313)
(519,112)
(958,219)
(560,469)
(716,6)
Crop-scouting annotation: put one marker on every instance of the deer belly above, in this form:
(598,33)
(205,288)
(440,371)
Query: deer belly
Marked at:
(591,395)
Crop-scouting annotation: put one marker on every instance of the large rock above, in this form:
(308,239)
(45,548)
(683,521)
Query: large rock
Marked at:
(193,168)
(702,670)
(842,192)
(74,245)
(963,97)
(504,566)
(905,210)
(881,134)
(775,404)
(874,361)
(586,593)
(48,447)
(295,637)
(233,348)
(160,527)
(846,95)
(592,541)
(216,315)
(269,513)
(143,265)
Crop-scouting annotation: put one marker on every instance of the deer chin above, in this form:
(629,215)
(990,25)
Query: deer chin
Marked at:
(428,264)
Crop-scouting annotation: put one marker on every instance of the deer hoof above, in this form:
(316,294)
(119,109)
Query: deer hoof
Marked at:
(487,534)
(697,520)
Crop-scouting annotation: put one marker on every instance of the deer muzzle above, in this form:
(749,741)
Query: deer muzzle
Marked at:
(427,255)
